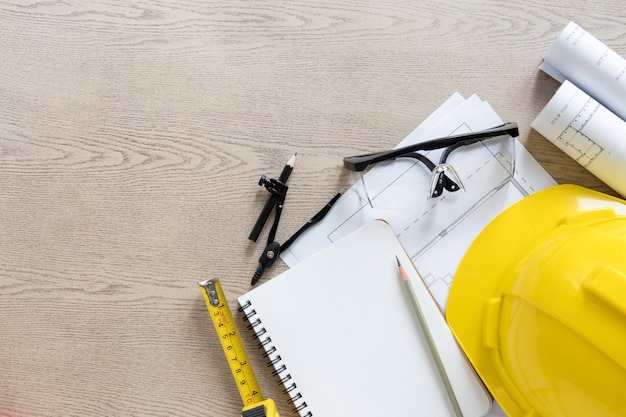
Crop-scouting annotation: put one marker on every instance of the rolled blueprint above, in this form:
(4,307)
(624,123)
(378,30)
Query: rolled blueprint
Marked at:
(579,57)
(588,132)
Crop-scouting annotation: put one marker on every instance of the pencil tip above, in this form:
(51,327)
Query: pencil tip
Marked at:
(397,260)
(292,160)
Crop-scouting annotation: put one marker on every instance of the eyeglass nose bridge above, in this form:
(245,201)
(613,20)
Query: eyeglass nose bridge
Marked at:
(441,180)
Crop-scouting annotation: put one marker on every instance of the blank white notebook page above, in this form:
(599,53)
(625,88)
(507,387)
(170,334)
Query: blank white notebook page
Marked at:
(341,330)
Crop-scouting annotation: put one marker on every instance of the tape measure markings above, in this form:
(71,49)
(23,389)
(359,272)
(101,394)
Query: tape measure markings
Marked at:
(232,344)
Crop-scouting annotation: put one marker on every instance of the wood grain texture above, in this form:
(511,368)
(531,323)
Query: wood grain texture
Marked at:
(132,136)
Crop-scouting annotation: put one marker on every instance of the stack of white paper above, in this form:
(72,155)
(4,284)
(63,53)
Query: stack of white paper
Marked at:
(437,240)
(435,243)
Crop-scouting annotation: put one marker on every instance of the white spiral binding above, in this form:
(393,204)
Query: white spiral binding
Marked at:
(274,360)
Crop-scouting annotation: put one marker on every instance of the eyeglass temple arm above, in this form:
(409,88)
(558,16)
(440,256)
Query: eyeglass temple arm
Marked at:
(360,162)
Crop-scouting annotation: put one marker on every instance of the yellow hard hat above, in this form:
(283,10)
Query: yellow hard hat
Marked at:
(538,305)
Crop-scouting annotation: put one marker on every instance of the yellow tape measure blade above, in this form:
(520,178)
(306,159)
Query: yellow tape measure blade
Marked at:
(267,408)
(231,342)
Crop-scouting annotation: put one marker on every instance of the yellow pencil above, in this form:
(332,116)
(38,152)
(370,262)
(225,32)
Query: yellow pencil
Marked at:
(432,347)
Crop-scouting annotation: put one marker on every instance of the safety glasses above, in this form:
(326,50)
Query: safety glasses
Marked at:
(474,162)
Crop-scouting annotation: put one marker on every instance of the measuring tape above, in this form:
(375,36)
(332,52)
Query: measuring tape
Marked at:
(232,344)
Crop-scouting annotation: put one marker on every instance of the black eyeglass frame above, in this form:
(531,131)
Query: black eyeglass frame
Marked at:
(358,163)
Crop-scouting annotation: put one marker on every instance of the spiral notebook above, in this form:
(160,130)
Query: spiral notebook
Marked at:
(342,337)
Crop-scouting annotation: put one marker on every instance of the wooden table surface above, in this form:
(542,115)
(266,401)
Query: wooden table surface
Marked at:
(132,137)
